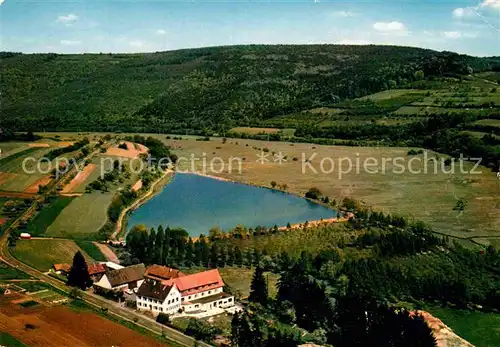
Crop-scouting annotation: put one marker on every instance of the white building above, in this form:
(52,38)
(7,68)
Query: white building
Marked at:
(157,297)
(198,292)
(129,277)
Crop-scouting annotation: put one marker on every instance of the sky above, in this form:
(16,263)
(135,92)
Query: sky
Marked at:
(78,26)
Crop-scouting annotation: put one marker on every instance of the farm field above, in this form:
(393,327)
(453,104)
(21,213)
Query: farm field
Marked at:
(13,165)
(82,217)
(43,253)
(64,326)
(479,328)
(7,339)
(9,273)
(39,224)
(92,250)
(490,122)
(386,94)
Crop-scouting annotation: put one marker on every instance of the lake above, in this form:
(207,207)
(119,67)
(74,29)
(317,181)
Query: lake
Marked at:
(197,203)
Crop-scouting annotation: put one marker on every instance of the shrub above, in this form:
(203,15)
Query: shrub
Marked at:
(163,318)
(314,193)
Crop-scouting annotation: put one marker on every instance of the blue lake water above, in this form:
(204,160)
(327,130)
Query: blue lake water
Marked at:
(197,203)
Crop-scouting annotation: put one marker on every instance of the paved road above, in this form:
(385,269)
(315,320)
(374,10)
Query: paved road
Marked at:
(92,299)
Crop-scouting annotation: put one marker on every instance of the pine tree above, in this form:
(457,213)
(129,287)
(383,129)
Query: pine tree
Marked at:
(258,287)
(235,330)
(238,257)
(79,273)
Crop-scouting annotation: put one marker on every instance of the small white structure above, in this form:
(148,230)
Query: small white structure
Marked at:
(129,277)
(111,265)
(196,293)
(25,236)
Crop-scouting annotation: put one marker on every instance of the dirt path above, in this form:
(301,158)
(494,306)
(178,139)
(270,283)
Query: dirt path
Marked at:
(137,203)
(108,253)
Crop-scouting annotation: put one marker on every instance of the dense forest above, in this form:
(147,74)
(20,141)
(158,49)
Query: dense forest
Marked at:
(206,90)
(352,288)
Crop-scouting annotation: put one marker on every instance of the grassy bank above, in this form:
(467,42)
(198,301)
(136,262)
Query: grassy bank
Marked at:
(479,328)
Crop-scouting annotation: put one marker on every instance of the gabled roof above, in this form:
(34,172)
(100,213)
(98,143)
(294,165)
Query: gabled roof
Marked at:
(126,275)
(95,269)
(159,272)
(62,267)
(154,289)
(198,282)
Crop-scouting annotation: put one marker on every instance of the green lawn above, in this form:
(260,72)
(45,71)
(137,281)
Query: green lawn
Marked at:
(13,162)
(9,273)
(479,328)
(42,254)
(92,250)
(491,122)
(38,225)
(8,340)
(32,286)
(386,94)
(239,279)
(82,217)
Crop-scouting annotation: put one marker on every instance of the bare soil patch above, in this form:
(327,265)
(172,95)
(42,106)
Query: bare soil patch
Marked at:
(79,178)
(64,143)
(130,152)
(108,253)
(137,186)
(16,195)
(41,145)
(60,326)
(33,188)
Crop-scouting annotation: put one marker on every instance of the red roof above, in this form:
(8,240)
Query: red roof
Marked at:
(62,267)
(159,272)
(198,282)
(95,269)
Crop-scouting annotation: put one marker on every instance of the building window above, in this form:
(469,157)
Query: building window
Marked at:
(209,291)
(230,299)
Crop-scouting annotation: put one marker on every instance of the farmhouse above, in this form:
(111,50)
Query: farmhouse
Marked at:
(61,269)
(198,292)
(96,271)
(129,277)
(162,273)
(158,297)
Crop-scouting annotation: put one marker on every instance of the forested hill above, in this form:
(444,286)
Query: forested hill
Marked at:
(205,89)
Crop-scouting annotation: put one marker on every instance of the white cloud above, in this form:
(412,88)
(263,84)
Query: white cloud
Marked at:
(458,12)
(491,3)
(68,19)
(1,2)
(161,32)
(70,42)
(392,28)
(353,42)
(343,14)
(136,43)
(452,34)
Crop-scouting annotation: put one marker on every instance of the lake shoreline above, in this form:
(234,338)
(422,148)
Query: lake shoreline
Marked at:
(121,223)
(298,225)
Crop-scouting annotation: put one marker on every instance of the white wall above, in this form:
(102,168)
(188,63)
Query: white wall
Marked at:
(170,305)
(202,294)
